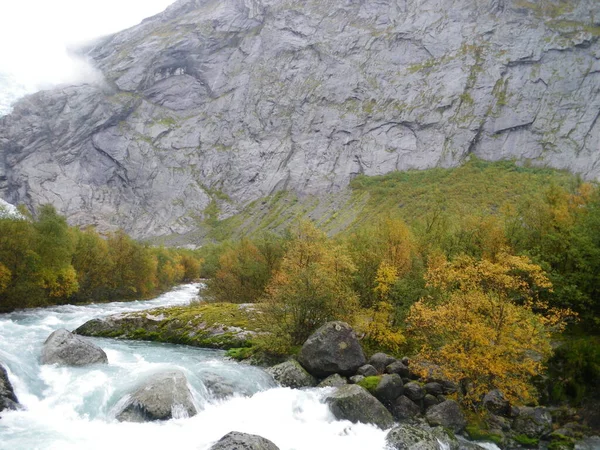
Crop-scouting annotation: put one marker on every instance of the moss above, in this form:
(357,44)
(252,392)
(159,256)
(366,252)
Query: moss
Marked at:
(370,383)
(477,433)
(240,353)
(526,440)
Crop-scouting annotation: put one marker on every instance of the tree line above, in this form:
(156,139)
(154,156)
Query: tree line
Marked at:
(43,262)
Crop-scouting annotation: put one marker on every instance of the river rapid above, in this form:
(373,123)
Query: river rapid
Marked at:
(74,408)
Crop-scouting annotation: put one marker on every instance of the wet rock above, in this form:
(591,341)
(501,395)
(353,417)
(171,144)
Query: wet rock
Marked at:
(222,388)
(495,403)
(405,409)
(448,415)
(589,443)
(243,441)
(8,399)
(411,437)
(367,370)
(164,396)
(65,348)
(333,348)
(334,380)
(380,361)
(533,422)
(354,403)
(291,374)
(356,379)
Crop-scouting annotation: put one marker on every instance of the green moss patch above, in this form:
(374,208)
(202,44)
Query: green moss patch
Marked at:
(370,383)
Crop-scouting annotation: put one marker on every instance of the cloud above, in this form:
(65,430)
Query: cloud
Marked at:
(35,35)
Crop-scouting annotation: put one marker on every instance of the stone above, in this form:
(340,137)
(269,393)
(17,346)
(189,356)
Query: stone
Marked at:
(589,443)
(447,414)
(533,422)
(404,409)
(334,380)
(179,114)
(495,403)
(354,403)
(8,399)
(356,379)
(414,391)
(380,361)
(399,368)
(367,370)
(429,401)
(448,387)
(389,388)
(333,348)
(65,348)
(221,388)
(163,396)
(434,388)
(291,374)
(411,437)
(243,441)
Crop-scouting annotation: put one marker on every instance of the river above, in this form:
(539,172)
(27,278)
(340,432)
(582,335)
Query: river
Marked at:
(74,408)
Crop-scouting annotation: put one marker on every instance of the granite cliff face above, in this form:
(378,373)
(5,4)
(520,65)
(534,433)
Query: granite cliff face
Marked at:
(227,101)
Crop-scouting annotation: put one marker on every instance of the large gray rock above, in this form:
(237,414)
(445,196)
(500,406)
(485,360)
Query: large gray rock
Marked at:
(533,422)
(412,437)
(334,380)
(234,100)
(164,396)
(291,374)
(243,441)
(381,360)
(447,414)
(495,402)
(8,399)
(589,443)
(65,348)
(404,409)
(333,348)
(354,403)
(389,388)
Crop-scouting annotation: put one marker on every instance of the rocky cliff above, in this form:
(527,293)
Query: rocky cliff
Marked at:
(221,102)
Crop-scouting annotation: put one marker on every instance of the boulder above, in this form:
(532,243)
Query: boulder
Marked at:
(389,388)
(367,371)
(164,396)
(334,380)
(533,422)
(221,388)
(333,348)
(354,403)
(380,361)
(405,409)
(243,441)
(356,379)
(414,391)
(589,443)
(429,401)
(495,403)
(8,399)
(399,368)
(65,348)
(291,374)
(411,437)
(434,388)
(448,387)
(447,414)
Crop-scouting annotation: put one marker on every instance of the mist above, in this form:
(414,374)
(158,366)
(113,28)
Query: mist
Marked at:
(36,37)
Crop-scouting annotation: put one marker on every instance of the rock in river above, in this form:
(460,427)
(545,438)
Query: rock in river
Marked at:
(65,348)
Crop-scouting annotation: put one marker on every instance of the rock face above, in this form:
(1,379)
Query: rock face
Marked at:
(333,348)
(230,100)
(354,403)
(291,374)
(163,397)
(65,348)
(8,399)
(243,441)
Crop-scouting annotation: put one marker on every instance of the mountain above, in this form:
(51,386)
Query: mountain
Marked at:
(213,104)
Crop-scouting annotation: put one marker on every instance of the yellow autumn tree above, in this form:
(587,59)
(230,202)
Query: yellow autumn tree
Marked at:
(488,328)
(5,277)
(311,287)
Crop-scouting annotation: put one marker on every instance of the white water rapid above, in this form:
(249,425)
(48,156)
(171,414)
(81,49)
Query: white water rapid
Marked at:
(73,408)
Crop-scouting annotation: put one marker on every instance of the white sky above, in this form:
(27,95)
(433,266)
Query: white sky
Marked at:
(34,34)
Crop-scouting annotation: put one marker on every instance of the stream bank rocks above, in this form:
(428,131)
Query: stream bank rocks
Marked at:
(215,325)
(354,403)
(8,399)
(65,348)
(243,441)
(164,396)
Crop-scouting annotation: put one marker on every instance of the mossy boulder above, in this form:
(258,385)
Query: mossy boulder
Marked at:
(291,374)
(214,325)
(354,403)
(411,437)
(533,423)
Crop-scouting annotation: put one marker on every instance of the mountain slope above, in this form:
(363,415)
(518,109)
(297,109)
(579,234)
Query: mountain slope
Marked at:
(222,102)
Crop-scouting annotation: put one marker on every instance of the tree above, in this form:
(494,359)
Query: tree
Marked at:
(487,327)
(311,287)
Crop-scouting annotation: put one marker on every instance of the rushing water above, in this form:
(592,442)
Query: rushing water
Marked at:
(74,408)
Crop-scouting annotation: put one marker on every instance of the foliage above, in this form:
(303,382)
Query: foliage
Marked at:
(379,331)
(311,287)
(487,327)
